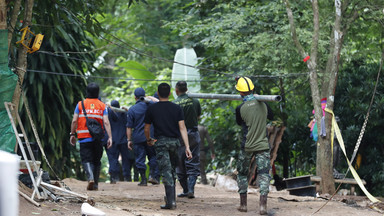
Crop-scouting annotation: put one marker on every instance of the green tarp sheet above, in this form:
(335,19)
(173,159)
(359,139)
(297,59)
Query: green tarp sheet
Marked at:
(8,81)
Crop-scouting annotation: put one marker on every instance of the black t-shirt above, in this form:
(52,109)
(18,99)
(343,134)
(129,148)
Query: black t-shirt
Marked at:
(165,117)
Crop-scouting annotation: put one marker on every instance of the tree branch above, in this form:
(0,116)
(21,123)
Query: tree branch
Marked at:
(316,32)
(12,23)
(293,30)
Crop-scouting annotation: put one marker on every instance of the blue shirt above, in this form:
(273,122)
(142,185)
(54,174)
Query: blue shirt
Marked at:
(118,120)
(135,120)
(77,111)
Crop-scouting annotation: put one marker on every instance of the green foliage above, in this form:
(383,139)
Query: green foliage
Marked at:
(52,98)
(354,96)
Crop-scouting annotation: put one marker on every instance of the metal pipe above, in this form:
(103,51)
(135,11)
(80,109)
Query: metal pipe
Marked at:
(63,190)
(118,109)
(273,98)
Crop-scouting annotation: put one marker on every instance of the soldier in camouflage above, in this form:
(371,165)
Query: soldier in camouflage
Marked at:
(252,116)
(168,121)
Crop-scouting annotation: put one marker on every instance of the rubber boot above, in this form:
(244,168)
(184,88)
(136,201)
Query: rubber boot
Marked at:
(114,178)
(263,205)
(170,198)
(96,174)
(184,185)
(143,179)
(88,168)
(191,186)
(243,203)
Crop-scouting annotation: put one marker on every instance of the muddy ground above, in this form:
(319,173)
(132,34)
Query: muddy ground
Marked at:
(126,198)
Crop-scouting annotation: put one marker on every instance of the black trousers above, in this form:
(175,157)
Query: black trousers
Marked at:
(91,152)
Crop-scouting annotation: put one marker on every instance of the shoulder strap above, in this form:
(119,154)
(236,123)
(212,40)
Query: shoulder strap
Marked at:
(84,110)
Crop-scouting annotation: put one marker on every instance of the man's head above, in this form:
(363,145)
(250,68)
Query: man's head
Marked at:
(115,103)
(164,90)
(139,92)
(92,90)
(181,87)
(244,85)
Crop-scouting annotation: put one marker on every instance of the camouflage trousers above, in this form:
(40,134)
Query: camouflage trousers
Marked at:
(263,166)
(167,158)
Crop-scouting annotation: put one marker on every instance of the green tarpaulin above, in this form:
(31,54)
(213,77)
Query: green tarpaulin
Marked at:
(8,81)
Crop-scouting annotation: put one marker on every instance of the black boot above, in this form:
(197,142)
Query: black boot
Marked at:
(143,179)
(243,203)
(96,174)
(170,198)
(263,204)
(114,178)
(184,185)
(191,186)
(88,168)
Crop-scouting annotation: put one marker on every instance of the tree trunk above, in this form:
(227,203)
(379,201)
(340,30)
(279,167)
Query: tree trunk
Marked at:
(3,14)
(323,161)
(12,23)
(21,65)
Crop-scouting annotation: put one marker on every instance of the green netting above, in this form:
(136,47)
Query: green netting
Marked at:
(8,81)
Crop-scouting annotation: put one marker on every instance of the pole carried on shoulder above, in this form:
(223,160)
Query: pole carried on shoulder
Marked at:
(267,98)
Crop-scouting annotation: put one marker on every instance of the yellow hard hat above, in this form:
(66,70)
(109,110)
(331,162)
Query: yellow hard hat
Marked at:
(244,84)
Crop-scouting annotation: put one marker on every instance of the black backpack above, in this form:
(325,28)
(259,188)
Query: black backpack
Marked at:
(94,127)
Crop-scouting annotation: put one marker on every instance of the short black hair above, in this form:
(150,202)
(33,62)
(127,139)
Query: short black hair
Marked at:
(92,90)
(164,89)
(182,86)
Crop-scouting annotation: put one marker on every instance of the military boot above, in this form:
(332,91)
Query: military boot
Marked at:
(88,168)
(263,205)
(143,179)
(243,203)
(96,174)
(184,185)
(170,198)
(191,186)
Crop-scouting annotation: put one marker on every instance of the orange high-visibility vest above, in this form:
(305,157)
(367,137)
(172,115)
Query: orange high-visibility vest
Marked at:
(95,109)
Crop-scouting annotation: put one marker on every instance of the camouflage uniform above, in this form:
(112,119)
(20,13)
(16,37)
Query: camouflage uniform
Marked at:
(167,158)
(263,166)
(252,116)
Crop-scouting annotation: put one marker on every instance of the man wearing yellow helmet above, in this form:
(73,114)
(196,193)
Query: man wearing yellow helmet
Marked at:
(252,116)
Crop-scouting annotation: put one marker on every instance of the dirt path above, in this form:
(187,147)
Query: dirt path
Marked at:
(126,198)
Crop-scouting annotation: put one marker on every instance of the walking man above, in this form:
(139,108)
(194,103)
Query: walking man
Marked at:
(168,121)
(204,135)
(118,121)
(137,140)
(91,149)
(188,170)
(252,116)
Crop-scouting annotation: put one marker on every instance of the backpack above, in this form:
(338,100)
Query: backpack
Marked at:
(94,127)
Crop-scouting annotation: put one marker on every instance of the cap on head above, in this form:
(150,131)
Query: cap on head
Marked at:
(139,92)
(244,84)
(92,90)
(182,86)
(115,103)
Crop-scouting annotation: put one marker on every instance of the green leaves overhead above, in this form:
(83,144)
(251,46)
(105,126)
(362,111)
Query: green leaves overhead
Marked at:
(136,70)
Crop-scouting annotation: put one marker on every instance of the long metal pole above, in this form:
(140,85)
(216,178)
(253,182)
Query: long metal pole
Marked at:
(267,98)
